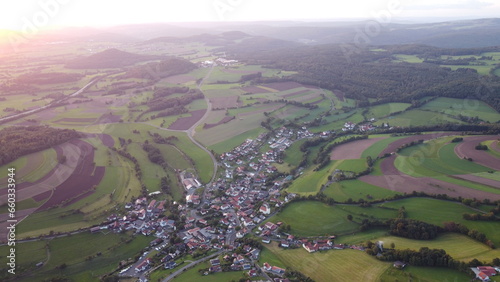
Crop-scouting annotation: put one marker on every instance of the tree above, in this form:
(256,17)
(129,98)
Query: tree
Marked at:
(349,217)
(393,245)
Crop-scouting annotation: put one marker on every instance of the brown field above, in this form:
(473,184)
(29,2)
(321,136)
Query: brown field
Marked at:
(467,149)
(393,179)
(224,102)
(340,95)
(54,178)
(184,123)
(478,179)
(353,150)
(84,177)
(391,148)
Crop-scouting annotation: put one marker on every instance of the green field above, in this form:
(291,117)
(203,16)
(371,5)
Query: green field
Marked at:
(458,246)
(417,118)
(309,218)
(423,274)
(334,265)
(46,161)
(469,108)
(409,58)
(377,148)
(356,189)
(193,275)
(434,158)
(438,211)
(354,165)
(384,110)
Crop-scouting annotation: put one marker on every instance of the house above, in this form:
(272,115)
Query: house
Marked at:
(284,244)
(215,262)
(247,266)
(483,273)
(399,264)
(252,273)
(170,265)
(310,247)
(277,270)
(151,206)
(265,209)
(266,240)
(266,266)
(143,265)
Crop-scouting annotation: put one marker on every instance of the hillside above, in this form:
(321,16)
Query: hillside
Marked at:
(110,58)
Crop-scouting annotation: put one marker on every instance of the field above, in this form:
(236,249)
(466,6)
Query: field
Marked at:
(32,167)
(468,108)
(355,189)
(417,118)
(327,219)
(458,246)
(353,150)
(439,211)
(193,275)
(334,265)
(68,250)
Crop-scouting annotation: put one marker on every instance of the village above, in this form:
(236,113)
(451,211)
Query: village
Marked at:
(238,203)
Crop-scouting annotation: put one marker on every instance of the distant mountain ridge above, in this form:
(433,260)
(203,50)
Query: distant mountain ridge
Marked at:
(110,58)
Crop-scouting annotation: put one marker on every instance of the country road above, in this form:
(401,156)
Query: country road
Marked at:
(180,270)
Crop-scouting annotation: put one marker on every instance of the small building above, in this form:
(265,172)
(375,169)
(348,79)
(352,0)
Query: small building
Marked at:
(399,264)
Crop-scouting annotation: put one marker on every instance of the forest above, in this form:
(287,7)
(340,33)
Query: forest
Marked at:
(19,141)
(362,74)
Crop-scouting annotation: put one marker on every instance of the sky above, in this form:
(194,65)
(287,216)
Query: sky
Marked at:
(25,14)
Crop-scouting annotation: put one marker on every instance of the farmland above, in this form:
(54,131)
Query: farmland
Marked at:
(295,102)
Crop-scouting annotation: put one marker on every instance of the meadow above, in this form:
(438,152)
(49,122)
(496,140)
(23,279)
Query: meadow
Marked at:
(356,189)
(468,108)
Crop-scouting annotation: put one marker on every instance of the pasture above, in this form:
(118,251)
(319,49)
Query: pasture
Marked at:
(384,110)
(311,218)
(355,189)
(434,158)
(438,211)
(417,118)
(468,108)
(67,250)
(423,274)
(333,265)
(458,246)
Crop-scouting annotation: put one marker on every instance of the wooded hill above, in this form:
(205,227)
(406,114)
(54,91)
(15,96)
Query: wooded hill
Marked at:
(19,141)
(361,73)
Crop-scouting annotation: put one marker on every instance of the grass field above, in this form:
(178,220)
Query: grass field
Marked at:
(386,109)
(355,165)
(46,160)
(438,211)
(469,108)
(355,189)
(409,58)
(68,250)
(377,148)
(417,118)
(310,218)
(334,265)
(458,246)
(434,158)
(423,274)
(193,275)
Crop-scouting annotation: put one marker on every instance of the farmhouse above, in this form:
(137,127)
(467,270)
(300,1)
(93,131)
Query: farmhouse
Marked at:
(483,273)
(143,265)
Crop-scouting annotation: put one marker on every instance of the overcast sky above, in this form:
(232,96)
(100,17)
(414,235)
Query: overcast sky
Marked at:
(17,14)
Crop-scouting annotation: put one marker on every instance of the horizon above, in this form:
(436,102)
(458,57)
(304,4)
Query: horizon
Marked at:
(57,14)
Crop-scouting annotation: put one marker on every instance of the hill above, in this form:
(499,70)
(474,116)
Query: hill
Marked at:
(165,68)
(110,58)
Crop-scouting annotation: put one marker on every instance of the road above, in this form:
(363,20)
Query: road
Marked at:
(32,111)
(180,270)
